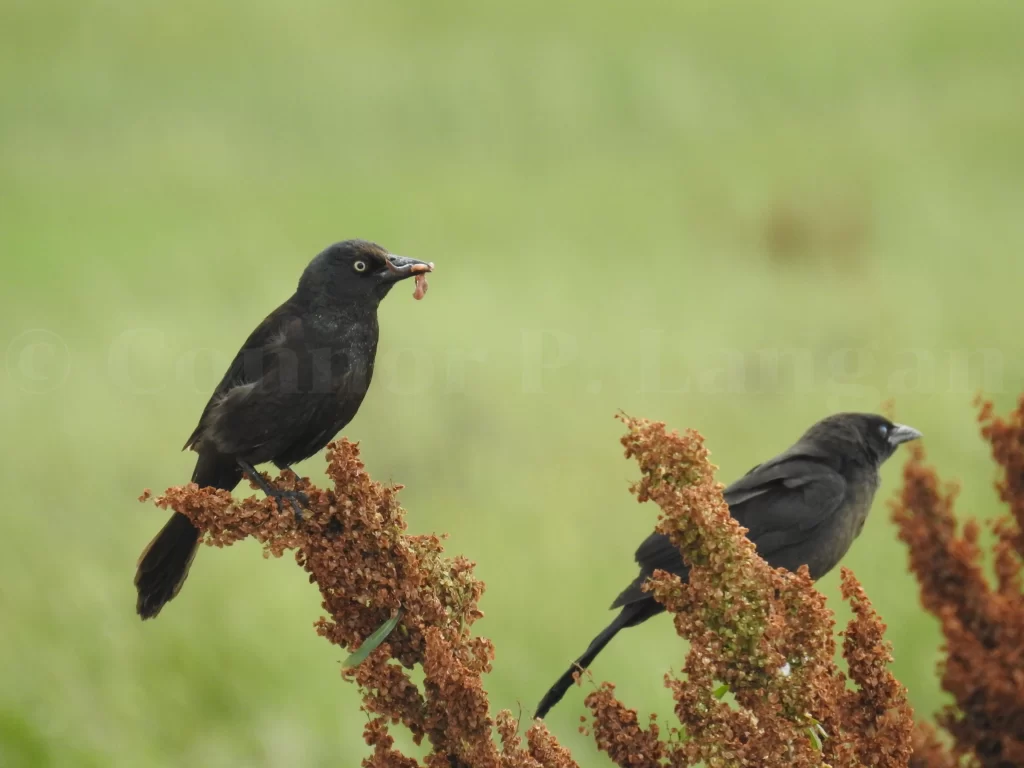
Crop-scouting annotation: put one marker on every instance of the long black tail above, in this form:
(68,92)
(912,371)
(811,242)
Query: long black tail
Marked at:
(164,563)
(630,615)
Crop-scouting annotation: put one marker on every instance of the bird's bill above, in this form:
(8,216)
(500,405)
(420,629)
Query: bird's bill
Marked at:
(901,433)
(399,268)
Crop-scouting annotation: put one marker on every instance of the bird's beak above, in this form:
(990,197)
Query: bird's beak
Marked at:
(901,433)
(399,268)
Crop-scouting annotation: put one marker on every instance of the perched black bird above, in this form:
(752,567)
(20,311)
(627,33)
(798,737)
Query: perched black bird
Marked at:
(804,507)
(298,379)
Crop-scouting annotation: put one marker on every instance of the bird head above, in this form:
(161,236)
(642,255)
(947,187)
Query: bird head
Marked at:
(357,270)
(872,435)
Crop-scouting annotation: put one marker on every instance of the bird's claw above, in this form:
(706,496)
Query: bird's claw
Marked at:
(295,498)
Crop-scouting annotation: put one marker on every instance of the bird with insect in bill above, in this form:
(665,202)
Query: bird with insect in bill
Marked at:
(298,379)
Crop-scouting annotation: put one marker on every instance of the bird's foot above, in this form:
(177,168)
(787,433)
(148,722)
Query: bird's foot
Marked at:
(293,497)
(297,499)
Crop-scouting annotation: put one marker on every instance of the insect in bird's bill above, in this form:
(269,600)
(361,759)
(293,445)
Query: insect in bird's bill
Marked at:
(803,507)
(298,379)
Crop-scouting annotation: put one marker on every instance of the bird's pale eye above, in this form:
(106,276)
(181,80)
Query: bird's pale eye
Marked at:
(359,266)
(883,429)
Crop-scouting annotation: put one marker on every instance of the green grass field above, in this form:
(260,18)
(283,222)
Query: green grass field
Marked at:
(630,207)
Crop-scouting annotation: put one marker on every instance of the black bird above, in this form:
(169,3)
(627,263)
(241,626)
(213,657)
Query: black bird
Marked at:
(299,378)
(804,507)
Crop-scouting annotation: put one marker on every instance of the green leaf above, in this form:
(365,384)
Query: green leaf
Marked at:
(720,691)
(372,642)
(815,739)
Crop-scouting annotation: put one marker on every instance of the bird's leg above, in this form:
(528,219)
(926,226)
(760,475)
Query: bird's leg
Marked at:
(294,497)
(303,498)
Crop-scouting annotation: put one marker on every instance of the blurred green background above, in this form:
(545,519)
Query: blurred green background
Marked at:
(630,207)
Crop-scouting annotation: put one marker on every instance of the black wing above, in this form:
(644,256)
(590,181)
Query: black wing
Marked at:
(249,364)
(780,502)
(306,392)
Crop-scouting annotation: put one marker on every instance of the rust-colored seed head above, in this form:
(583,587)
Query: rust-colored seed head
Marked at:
(354,545)
(983,624)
